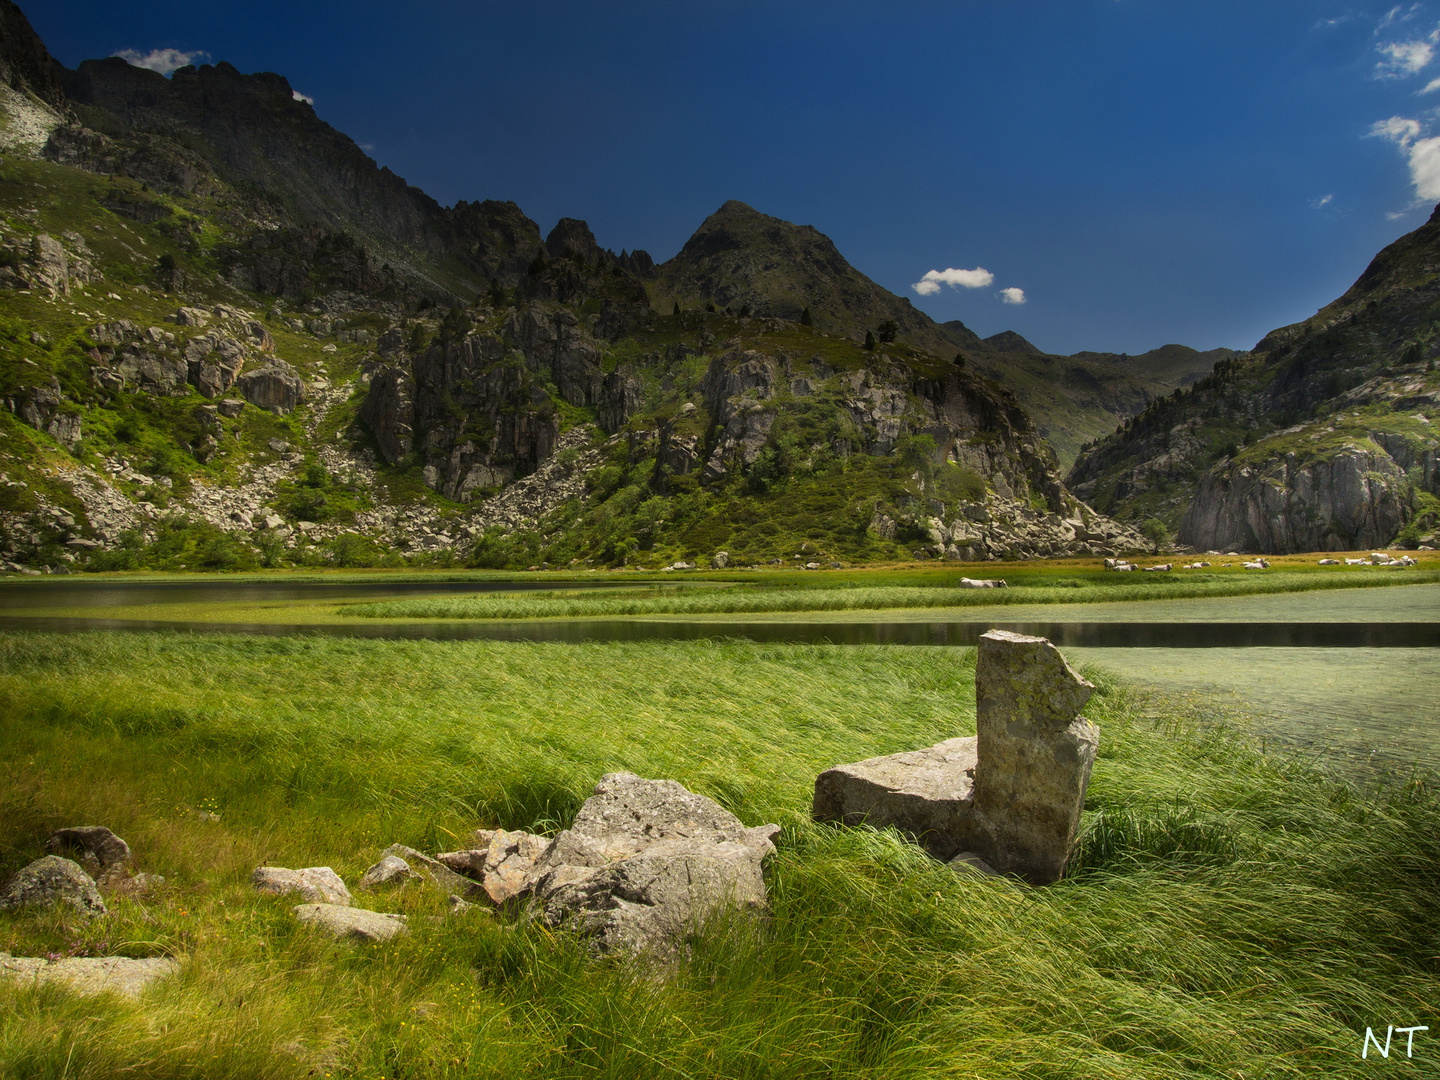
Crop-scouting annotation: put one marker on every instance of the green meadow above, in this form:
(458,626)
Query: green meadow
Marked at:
(1228,913)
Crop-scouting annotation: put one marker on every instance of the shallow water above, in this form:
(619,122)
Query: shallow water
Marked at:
(1380,703)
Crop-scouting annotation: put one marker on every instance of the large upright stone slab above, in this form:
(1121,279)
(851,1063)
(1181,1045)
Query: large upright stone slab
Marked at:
(1010,797)
(1035,754)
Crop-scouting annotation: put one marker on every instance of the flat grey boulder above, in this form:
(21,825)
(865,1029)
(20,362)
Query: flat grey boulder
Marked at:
(927,794)
(646,862)
(317,884)
(351,922)
(1010,797)
(89,975)
(391,870)
(52,880)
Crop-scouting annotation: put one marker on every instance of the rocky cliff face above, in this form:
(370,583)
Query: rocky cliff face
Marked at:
(1353,500)
(1320,439)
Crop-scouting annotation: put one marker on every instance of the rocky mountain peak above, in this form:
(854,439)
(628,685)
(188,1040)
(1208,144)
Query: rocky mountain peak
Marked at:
(572,237)
(25,63)
(754,264)
(1009,341)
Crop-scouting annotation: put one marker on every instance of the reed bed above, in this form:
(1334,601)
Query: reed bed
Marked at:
(830,596)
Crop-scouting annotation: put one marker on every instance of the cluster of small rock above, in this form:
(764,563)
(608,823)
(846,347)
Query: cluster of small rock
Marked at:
(644,863)
(152,359)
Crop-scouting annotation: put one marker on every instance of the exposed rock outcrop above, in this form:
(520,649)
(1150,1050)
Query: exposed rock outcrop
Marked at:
(41,408)
(1356,499)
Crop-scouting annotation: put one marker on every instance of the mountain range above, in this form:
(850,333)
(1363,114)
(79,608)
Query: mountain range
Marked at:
(229,338)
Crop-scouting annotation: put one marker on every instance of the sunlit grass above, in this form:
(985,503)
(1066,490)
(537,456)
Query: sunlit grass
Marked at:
(1229,912)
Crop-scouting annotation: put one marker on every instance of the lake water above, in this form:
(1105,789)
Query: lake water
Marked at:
(1356,671)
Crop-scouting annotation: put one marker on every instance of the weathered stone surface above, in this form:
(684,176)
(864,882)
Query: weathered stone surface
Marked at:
(1354,499)
(1008,798)
(318,884)
(927,794)
(645,861)
(149,371)
(349,922)
(230,407)
(49,266)
(276,386)
(89,975)
(52,880)
(104,853)
(438,873)
(39,406)
(391,870)
(1035,754)
(510,863)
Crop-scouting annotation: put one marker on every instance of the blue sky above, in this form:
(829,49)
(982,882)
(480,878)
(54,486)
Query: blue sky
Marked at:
(1142,171)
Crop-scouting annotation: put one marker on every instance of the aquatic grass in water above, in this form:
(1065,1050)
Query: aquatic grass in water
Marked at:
(832,596)
(1229,912)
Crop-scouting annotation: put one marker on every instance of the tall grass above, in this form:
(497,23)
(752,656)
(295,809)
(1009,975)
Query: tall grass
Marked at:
(1229,913)
(840,597)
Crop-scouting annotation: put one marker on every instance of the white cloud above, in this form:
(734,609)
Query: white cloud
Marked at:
(302,97)
(1431,86)
(162,60)
(930,284)
(1404,58)
(1423,155)
(1425,169)
(1397,129)
(1398,13)
(1322,201)
(1012,295)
